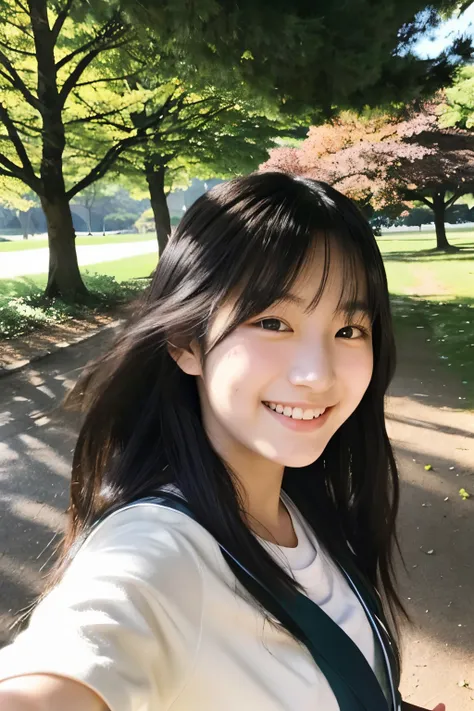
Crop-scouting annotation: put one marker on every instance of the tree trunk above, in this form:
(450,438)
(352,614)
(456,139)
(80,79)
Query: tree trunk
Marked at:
(25,222)
(155,177)
(439,209)
(64,278)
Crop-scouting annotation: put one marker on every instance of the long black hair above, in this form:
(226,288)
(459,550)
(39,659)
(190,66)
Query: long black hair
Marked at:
(142,427)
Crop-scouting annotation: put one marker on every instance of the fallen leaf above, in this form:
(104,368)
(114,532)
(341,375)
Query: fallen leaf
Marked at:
(428,467)
(464,494)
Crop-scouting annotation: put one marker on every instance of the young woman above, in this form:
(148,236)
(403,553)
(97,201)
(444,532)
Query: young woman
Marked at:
(234,492)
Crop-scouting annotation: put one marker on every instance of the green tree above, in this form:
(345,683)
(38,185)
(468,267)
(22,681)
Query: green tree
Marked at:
(418,216)
(458,110)
(14,196)
(91,197)
(191,131)
(57,60)
(307,57)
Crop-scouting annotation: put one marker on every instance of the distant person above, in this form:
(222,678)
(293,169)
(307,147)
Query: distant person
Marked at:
(234,492)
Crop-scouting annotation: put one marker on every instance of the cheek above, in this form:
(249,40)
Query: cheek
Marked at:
(232,376)
(355,368)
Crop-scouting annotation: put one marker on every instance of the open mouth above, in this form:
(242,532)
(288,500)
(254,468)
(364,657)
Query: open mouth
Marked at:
(296,413)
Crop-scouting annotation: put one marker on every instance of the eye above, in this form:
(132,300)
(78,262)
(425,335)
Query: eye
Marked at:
(272,324)
(352,333)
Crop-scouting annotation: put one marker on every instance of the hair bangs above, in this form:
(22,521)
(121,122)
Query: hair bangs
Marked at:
(285,241)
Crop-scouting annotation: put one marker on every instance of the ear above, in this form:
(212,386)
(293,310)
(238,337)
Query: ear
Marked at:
(187,359)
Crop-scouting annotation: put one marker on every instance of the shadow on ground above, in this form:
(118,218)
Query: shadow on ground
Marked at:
(36,444)
(435,344)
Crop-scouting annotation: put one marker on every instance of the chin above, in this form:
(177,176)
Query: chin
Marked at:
(297,461)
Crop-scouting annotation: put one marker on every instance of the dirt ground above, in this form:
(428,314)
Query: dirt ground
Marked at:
(39,342)
(434,444)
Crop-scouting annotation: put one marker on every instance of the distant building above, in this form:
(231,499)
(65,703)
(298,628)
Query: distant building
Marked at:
(179,200)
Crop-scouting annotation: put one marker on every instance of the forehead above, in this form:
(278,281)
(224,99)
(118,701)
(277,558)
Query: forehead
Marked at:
(334,279)
(333,284)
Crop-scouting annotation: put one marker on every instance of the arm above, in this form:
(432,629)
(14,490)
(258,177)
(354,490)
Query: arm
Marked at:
(43,692)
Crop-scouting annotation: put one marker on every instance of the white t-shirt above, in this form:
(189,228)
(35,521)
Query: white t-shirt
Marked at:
(147,615)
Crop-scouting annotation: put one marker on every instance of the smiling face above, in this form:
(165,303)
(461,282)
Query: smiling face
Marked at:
(279,386)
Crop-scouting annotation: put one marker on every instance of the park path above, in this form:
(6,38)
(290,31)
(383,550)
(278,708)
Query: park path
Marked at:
(436,525)
(36,261)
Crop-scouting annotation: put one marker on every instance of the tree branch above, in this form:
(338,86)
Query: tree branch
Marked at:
(80,68)
(18,51)
(16,171)
(202,120)
(17,27)
(21,6)
(424,199)
(104,164)
(35,129)
(7,173)
(108,81)
(61,19)
(106,32)
(99,117)
(465,6)
(15,80)
(453,199)
(17,142)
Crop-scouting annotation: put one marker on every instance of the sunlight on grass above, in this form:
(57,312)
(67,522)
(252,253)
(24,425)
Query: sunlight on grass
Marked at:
(123,269)
(435,291)
(22,245)
(414,268)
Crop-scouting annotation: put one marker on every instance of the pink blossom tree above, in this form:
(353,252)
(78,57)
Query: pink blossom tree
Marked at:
(390,162)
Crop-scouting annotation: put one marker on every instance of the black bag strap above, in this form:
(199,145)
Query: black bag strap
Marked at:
(346,669)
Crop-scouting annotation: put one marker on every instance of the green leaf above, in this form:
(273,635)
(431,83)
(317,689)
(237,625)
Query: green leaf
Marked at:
(247,55)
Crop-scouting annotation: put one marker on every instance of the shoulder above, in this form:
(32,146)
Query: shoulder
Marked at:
(150,542)
(126,617)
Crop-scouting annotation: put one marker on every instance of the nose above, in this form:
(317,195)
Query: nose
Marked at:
(313,368)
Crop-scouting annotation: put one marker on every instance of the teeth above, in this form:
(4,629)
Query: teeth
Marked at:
(296,413)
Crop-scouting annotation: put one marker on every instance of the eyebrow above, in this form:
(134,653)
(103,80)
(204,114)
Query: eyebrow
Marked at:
(351,306)
(354,306)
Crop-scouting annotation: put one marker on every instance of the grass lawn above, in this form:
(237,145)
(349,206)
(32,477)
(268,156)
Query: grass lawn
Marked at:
(21,245)
(413,268)
(435,291)
(122,269)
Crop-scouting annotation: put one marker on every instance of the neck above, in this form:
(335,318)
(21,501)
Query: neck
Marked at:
(260,488)
(259,483)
